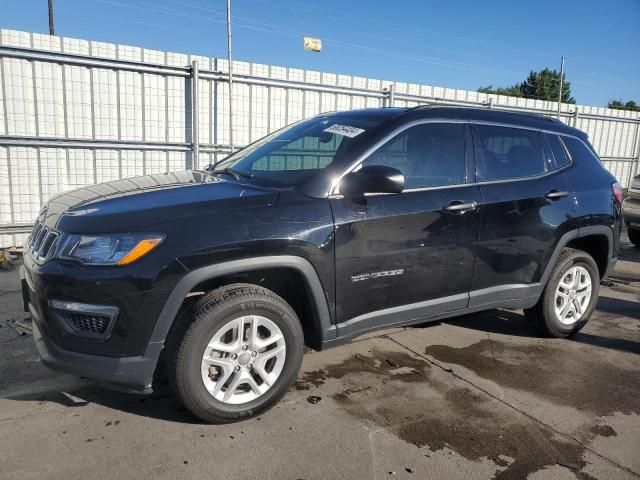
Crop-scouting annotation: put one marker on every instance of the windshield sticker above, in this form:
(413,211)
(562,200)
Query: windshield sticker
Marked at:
(345,130)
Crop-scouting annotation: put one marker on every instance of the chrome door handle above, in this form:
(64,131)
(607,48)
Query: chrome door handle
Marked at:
(555,194)
(460,207)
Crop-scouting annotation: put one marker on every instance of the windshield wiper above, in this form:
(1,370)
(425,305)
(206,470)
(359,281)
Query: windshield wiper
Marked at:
(235,174)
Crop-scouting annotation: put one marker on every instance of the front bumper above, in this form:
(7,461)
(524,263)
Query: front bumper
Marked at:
(101,359)
(133,374)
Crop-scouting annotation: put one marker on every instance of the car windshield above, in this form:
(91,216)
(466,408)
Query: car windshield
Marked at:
(290,156)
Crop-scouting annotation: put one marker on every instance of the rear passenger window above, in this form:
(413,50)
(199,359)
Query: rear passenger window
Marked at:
(559,152)
(510,152)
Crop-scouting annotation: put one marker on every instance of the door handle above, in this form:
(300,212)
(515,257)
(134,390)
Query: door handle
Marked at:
(555,194)
(460,207)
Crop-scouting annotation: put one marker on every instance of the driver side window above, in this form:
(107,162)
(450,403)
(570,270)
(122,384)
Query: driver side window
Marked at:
(429,155)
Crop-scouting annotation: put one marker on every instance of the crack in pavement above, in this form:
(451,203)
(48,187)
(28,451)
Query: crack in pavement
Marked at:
(567,436)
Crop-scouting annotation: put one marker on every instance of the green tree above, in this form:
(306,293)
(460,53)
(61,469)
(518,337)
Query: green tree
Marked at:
(542,85)
(620,105)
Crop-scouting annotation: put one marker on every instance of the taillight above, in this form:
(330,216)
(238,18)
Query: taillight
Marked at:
(616,189)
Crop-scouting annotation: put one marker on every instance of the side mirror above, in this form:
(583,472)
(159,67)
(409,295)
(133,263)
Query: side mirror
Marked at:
(372,179)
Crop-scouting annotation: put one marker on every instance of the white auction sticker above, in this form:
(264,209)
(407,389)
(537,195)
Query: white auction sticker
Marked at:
(345,130)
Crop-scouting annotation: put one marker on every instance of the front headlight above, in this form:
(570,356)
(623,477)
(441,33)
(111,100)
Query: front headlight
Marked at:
(109,249)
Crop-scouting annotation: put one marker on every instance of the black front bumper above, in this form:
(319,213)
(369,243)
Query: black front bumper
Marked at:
(131,373)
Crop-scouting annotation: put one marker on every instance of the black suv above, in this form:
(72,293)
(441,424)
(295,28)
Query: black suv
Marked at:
(313,235)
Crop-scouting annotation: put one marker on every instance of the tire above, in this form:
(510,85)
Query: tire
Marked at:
(195,381)
(544,316)
(634,236)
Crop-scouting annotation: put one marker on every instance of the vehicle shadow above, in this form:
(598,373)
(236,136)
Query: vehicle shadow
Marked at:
(505,322)
(619,306)
(161,404)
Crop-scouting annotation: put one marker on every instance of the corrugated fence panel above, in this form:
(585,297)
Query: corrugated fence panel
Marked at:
(120,120)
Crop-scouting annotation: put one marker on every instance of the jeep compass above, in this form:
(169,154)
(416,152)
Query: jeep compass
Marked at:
(324,230)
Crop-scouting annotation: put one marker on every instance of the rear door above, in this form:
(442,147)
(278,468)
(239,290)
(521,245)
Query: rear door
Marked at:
(527,205)
(402,257)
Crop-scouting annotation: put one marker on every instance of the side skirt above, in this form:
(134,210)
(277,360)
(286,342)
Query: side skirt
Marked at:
(513,297)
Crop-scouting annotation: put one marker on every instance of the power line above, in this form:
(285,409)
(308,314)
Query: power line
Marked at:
(260,26)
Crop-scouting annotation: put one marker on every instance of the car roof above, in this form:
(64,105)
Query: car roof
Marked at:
(466,113)
(494,115)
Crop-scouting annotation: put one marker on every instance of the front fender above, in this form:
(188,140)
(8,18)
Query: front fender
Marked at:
(170,310)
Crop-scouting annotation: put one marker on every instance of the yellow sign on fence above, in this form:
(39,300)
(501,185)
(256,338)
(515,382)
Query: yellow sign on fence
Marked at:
(312,44)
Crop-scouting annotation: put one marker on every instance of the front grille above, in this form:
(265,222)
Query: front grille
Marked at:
(42,242)
(93,324)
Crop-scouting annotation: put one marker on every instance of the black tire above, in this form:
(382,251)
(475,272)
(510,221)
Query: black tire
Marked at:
(634,236)
(543,314)
(189,338)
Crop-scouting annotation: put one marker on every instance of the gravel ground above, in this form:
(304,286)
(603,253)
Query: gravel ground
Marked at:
(476,397)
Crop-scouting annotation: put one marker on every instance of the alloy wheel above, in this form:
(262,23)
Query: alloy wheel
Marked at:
(573,295)
(243,359)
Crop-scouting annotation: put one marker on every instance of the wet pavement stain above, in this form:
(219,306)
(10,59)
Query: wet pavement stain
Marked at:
(603,431)
(568,376)
(442,416)
(401,366)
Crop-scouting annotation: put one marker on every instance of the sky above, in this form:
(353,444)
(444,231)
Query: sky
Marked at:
(462,44)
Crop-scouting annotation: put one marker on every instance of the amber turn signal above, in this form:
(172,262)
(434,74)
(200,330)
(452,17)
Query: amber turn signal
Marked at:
(140,250)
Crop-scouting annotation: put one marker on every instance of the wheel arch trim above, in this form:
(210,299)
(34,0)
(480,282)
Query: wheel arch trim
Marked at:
(194,277)
(602,230)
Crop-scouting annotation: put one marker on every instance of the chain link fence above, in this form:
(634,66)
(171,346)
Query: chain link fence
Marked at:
(76,112)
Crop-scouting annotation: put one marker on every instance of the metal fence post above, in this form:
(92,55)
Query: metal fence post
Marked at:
(637,154)
(576,115)
(389,98)
(195,143)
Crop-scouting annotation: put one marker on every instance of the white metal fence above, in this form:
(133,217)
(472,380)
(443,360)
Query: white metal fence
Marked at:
(76,112)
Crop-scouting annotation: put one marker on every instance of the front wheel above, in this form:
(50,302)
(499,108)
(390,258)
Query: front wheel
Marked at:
(569,297)
(236,355)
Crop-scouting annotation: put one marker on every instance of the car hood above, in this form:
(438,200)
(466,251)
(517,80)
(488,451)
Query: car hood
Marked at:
(141,202)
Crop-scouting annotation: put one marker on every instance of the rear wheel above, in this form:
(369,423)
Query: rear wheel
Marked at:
(634,236)
(569,297)
(236,355)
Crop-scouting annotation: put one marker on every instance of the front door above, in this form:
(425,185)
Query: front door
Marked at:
(404,257)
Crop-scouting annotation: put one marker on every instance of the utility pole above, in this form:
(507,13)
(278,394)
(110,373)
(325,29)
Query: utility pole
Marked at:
(561,80)
(52,30)
(230,61)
